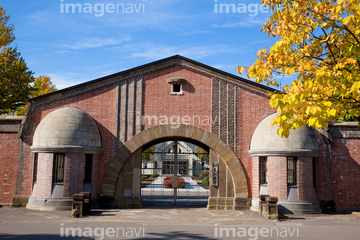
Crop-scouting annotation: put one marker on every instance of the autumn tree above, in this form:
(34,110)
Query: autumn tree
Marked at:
(202,154)
(148,153)
(319,46)
(42,85)
(15,77)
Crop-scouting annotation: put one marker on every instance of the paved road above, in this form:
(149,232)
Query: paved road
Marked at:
(173,223)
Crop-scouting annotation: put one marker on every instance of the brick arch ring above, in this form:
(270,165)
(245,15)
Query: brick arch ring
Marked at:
(183,131)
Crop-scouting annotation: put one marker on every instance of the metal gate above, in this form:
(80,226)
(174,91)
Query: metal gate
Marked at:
(175,172)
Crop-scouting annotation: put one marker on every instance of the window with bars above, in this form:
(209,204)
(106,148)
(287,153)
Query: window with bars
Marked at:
(262,170)
(35,168)
(88,168)
(58,168)
(292,171)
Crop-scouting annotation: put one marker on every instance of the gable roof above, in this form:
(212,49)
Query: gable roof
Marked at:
(140,71)
(153,65)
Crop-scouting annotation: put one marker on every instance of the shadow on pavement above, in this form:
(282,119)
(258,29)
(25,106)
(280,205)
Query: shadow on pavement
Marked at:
(177,235)
(167,204)
(41,237)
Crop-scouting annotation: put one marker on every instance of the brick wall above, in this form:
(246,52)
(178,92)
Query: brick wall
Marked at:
(345,172)
(252,109)
(322,183)
(195,103)
(9,163)
(338,166)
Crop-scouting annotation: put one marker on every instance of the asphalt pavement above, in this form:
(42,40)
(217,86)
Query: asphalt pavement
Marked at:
(173,223)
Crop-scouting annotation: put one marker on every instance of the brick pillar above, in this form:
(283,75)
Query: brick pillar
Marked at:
(305,179)
(73,174)
(44,175)
(255,177)
(277,177)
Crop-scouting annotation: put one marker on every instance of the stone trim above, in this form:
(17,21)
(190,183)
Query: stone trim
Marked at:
(347,130)
(11,118)
(66,149)
(10,124)
(166,131)
(344,124)
(176,80)
(284,153)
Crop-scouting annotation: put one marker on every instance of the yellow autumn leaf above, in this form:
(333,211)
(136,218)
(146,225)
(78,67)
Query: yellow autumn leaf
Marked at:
(327,84)
(327,104)
(347,20)
(332,112)
(240,69)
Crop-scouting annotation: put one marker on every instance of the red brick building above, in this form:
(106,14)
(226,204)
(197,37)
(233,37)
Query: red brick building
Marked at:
(91,137)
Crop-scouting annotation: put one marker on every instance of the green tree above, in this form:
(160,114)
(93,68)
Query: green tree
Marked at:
(15,77)
(42,85)
(319,45)
(202,154)
(148,153)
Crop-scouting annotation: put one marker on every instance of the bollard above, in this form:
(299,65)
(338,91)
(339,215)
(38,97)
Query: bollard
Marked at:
(87,202)
(78,204)
(262,203)
(271,210)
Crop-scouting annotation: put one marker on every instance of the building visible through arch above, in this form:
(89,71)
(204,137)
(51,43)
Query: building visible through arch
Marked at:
(233,193)
(90,137)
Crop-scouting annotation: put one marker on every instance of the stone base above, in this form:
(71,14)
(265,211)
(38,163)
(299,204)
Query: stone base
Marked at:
(20,200)
(242,204)
(223,203)
(287,207)
(49,204)
(299,207)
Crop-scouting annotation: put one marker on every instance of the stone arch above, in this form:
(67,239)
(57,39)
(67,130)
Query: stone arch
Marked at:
(183,131)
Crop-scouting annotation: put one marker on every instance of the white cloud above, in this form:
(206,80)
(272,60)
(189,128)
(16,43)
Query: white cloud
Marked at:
(158,51)
(248,22)
(62,81)
(97,42)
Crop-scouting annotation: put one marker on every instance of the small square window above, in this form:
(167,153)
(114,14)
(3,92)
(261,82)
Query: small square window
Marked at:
(176,88)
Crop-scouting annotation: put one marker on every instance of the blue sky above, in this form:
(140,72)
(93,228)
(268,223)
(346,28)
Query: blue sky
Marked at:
(73,48)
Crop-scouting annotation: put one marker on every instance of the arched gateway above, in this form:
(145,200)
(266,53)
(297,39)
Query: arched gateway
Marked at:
(121,179)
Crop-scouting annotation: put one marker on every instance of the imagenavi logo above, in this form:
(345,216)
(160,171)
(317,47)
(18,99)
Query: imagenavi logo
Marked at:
(100,9)
(251,9)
